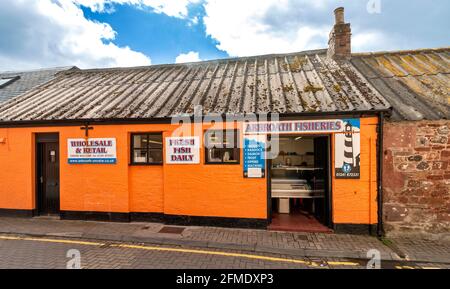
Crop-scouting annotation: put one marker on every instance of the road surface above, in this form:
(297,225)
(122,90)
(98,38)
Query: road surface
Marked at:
(62,253)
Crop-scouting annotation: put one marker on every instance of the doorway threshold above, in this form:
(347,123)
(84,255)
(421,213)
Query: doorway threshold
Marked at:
(297,223)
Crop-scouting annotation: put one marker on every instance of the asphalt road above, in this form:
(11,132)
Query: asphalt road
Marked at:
(62,253)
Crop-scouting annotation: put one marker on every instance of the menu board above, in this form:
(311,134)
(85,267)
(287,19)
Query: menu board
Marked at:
(254,156)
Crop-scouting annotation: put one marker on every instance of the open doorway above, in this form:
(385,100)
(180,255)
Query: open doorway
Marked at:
(47,174)
(299,184)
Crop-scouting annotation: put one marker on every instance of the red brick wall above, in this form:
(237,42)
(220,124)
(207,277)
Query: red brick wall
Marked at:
(340,43)
(416,177)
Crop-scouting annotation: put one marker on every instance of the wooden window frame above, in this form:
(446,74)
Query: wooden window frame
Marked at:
(148,149)
(237,143)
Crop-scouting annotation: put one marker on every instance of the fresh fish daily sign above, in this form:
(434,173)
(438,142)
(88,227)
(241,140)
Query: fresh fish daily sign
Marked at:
(92,151)
(182,150)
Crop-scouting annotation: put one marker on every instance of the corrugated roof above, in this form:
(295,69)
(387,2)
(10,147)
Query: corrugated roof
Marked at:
(416,83)
(26,80)
(288,83)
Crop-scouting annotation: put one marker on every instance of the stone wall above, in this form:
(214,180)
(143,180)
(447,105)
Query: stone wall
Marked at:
(416,178)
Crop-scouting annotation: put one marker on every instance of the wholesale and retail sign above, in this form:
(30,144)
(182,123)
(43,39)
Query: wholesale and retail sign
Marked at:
(182,150)
(92,151)
(347,147)
(254,156)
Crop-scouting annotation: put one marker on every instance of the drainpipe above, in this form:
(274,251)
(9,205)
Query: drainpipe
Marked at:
(380,230)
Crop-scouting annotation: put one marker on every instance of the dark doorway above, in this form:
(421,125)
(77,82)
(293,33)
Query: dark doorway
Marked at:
(47,174)
(322,160)
(300,194)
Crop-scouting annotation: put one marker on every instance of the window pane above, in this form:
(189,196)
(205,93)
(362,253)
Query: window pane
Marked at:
(214,139)
(4,81)
(229,156)
(7,81)
(140,141)
(140,156)
(147,149)
(214,155)
(155,157)
(231,139)
(222,146)
(155,141)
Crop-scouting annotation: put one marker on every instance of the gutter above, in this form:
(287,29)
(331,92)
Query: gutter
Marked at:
(380,229)
(168,120)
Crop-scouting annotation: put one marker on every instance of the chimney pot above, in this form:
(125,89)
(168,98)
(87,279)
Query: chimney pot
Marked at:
(340,42)
(339,15)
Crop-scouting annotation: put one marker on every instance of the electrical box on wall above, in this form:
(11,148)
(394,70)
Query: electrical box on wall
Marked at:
(2,140)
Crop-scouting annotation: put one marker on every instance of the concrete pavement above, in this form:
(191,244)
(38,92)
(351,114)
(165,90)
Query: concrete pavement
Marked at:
(308,245)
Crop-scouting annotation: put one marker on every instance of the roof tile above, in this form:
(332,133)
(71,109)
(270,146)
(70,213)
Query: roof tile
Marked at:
(288,83)
(415,82)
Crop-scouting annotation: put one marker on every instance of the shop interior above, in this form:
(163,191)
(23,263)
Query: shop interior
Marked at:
(300,184)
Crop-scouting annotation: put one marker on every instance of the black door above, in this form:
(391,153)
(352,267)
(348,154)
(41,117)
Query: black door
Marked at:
(48,177)
(322,160)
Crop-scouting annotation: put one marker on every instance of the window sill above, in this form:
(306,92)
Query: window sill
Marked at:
(146,165)
(222,164)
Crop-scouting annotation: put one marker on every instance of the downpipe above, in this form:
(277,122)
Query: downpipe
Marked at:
(380,229)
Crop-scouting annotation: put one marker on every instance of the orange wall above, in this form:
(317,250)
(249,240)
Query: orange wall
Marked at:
(16,170)
(355,201)
(146,185)
(197,190)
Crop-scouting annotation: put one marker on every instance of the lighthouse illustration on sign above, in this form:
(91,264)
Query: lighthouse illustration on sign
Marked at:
(347,151)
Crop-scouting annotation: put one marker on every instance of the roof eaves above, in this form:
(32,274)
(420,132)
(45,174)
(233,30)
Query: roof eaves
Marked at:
(157,120)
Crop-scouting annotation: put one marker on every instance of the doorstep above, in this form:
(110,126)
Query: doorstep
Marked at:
(297,222)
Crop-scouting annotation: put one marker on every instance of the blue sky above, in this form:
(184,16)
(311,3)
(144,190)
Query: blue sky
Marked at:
(162,37)
(110,33)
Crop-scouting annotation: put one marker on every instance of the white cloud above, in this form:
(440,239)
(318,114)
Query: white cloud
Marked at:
(188,57)
(43,33)
(371,41)
(251,27)
(173,8)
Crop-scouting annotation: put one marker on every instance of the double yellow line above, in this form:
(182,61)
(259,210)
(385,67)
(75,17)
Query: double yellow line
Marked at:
(181,250)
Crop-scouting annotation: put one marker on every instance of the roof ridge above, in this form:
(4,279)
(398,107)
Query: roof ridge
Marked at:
(407,51)
(220,60)
(58,68)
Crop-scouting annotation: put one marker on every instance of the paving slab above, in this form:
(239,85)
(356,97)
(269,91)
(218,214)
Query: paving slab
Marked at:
(293,244)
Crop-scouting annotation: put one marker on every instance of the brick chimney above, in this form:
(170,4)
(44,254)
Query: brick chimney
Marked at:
(340,43)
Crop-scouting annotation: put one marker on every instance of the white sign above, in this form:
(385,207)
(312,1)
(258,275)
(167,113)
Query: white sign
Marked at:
(255,173)
(92,151)
(182,150)
(297,126)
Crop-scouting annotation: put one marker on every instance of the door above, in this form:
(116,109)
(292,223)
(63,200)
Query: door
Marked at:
(48,177)
(322,159)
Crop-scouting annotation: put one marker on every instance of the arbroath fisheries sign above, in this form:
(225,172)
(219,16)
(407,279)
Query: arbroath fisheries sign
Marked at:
(297,126)
(92,151)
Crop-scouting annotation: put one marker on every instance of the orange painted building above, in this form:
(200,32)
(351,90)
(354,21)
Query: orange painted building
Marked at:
(122,190)
(325,175)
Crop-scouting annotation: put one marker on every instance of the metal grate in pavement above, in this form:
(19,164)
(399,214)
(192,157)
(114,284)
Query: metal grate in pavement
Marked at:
(171,230)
